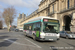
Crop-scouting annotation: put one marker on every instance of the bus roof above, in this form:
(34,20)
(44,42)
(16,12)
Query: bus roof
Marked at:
(39,18)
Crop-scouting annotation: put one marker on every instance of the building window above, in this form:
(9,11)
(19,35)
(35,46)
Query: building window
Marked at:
(53,8)
(48,11)
(68,3)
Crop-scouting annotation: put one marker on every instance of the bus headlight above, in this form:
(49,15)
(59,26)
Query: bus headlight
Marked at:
(42,35)
(70,35)
(58,35)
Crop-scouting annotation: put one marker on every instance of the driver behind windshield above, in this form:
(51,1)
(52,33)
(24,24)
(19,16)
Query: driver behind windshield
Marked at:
(50,28)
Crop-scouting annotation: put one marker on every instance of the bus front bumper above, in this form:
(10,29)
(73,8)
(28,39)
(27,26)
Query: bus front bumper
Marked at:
(48,38)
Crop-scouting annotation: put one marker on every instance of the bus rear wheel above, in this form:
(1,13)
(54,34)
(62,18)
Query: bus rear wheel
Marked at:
(67,37)
(34,37)
(25,34)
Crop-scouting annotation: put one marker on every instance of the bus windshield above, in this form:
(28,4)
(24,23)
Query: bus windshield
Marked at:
(50,28)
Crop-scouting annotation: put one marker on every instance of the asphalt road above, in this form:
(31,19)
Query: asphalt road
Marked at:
(17,41)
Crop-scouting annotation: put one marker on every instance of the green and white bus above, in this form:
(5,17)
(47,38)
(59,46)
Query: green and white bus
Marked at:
(42,28)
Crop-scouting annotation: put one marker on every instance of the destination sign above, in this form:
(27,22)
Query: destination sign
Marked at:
(50,20)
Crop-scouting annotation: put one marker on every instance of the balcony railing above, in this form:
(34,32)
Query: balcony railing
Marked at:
(51,13)
(67,9)
(44,7)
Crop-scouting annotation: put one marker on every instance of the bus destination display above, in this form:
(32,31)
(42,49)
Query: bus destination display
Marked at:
(50,20)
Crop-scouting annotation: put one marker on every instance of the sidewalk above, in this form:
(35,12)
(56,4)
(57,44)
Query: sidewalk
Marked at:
(3,30)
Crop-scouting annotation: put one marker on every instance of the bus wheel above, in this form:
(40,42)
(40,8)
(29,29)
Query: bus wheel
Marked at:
(67,37)
(34,37)
(25,34)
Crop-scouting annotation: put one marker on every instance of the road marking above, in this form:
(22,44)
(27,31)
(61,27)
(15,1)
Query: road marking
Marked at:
(1,35)
(1,41)
(10,35)
(33,43)
(19,43)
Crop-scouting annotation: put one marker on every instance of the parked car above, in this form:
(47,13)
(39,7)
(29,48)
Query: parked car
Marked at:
(12,29)
(21,29)
(67,34)
(16,30)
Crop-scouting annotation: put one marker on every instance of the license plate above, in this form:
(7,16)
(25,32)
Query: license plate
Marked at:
(50,34)
(50,39)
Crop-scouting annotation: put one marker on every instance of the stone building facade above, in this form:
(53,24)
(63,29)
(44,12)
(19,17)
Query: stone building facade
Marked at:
(63,10)
(20,19)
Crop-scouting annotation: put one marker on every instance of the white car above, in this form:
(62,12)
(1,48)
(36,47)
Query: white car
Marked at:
(67,34)
(21,29)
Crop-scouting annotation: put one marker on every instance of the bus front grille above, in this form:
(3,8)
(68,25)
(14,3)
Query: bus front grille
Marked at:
(50,37)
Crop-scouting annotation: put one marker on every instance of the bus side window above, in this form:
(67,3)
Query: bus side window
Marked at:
(37,27)
(31,27)
(34,27)
(24,27)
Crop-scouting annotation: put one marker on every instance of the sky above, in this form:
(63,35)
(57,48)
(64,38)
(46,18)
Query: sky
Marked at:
(21,6)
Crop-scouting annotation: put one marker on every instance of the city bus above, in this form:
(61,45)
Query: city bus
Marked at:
(42,28)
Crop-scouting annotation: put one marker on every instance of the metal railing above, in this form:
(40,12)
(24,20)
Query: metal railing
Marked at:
(50,13)
(44,7)
(67,9)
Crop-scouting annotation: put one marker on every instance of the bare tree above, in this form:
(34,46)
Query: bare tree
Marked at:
(0,15)
(1,25)
(9,14)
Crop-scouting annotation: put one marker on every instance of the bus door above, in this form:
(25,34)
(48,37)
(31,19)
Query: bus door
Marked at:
(37,29)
